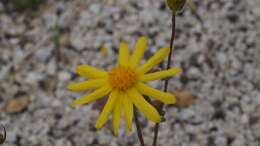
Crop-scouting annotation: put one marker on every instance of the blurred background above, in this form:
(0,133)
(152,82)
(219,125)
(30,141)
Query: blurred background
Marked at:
(217,45)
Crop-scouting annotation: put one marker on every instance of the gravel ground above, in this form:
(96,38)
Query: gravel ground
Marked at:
(220,58)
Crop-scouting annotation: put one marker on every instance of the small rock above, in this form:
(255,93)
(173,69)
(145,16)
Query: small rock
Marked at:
(64,76)
(51,67)
(194,72)
(77,42)
(95,8)
(1,7)
(221,57)
(244,119)
(186,114)
(43,54)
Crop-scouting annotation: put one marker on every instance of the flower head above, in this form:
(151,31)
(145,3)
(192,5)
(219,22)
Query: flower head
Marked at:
(176,5)
(125,85)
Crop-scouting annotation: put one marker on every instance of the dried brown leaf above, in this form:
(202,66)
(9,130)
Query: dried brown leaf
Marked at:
(184,98)
(16,105)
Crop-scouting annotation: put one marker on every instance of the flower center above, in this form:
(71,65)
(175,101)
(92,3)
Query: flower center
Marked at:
(122,77)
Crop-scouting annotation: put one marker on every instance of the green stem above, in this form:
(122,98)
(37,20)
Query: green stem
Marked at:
(138,127)
(160,107)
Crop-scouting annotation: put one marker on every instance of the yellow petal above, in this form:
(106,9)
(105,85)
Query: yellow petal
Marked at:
(128,112)
(90,72)
(123,58)
(117,113)
(161,74)
(154,60)
(157,94)
(92,96)
(138,52)
(146,108)
(102,119)
(85,85)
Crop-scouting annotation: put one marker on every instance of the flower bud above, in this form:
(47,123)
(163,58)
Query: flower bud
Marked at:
(176,5)
(2,135)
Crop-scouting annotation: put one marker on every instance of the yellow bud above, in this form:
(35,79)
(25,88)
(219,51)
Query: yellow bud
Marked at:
(176,5)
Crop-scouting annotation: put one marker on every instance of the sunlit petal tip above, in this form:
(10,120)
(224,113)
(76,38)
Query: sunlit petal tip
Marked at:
(138,52)
(97,126)
(123,44)
(166,50)
(99,123)
(178,70)
(79,68)
(164,97)
(158,120)
(123,57)
(115,133)
(73,105)
(70,86)
(141,43)
(142,40)
(172,100)
(129,129)
(160,74)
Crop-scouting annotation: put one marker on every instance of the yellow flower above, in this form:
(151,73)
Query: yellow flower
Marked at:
(125,85)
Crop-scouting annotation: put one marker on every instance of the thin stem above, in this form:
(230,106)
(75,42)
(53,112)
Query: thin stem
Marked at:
(160,107)
(138,127)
